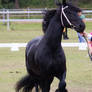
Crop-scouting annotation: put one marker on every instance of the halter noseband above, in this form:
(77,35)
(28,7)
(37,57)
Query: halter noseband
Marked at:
(63,14)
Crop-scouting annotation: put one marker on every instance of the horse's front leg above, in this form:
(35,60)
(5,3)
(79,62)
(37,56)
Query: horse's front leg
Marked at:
(62,84)
(45,84)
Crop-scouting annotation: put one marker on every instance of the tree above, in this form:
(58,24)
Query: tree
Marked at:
(0,3)
(75,1)
(16,4)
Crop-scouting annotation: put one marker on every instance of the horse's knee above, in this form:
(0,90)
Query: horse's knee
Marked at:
(62,87)
(62,84)
(45,84)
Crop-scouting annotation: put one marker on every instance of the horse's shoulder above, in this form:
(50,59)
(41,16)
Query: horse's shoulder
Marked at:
(32,46)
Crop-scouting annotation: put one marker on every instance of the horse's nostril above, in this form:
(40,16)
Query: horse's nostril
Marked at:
(80,25)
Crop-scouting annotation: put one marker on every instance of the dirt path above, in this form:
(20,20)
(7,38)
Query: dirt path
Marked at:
(54,86)
(70,89)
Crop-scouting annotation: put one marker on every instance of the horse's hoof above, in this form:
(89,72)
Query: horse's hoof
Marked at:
(61,91)
(66,90)
(57,90)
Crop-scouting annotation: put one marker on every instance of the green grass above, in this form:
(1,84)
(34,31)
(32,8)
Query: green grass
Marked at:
(20,32)
(12,64)
(29,17)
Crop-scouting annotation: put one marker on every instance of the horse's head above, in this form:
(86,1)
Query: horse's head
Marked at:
(69,16)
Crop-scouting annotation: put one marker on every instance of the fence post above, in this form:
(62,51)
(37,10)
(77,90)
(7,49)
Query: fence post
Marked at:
(3,16)
(28,13)
(8,24)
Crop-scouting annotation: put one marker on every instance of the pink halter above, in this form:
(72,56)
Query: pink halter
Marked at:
(91,33)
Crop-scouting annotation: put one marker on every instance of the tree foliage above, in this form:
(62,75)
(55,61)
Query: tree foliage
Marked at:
(6,3)
(40,3)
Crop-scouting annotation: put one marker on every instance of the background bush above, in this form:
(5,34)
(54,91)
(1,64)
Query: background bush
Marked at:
(40,3)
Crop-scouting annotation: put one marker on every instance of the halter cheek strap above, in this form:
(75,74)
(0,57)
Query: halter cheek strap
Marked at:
(63,14)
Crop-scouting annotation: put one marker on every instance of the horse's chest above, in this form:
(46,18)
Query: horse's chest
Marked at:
(49,60)
(52,62)
(58,60)
(58,64)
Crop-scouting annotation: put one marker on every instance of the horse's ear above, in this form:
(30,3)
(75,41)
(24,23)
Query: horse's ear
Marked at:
(57,2)
(64,1)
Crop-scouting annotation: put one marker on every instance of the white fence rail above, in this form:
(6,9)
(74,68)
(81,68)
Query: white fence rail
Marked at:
(5,15)
(20,12)
(21,20)
(16,46)
(87,11)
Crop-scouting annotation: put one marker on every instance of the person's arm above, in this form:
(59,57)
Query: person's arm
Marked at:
(84,34)
(84,20)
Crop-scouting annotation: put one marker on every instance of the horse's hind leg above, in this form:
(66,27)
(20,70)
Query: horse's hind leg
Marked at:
(62,84)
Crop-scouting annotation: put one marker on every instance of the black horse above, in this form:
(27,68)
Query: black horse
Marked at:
(45,58)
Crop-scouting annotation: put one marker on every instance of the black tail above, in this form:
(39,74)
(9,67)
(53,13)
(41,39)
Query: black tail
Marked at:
(26,84)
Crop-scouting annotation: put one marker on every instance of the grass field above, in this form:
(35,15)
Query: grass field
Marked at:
(12,64)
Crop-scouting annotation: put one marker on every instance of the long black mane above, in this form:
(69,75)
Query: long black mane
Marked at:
(47,17)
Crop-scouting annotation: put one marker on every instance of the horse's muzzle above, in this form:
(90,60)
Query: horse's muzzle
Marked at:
(80,28)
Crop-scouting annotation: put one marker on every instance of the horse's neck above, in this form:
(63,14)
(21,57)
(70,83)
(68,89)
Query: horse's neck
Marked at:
(54,33)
